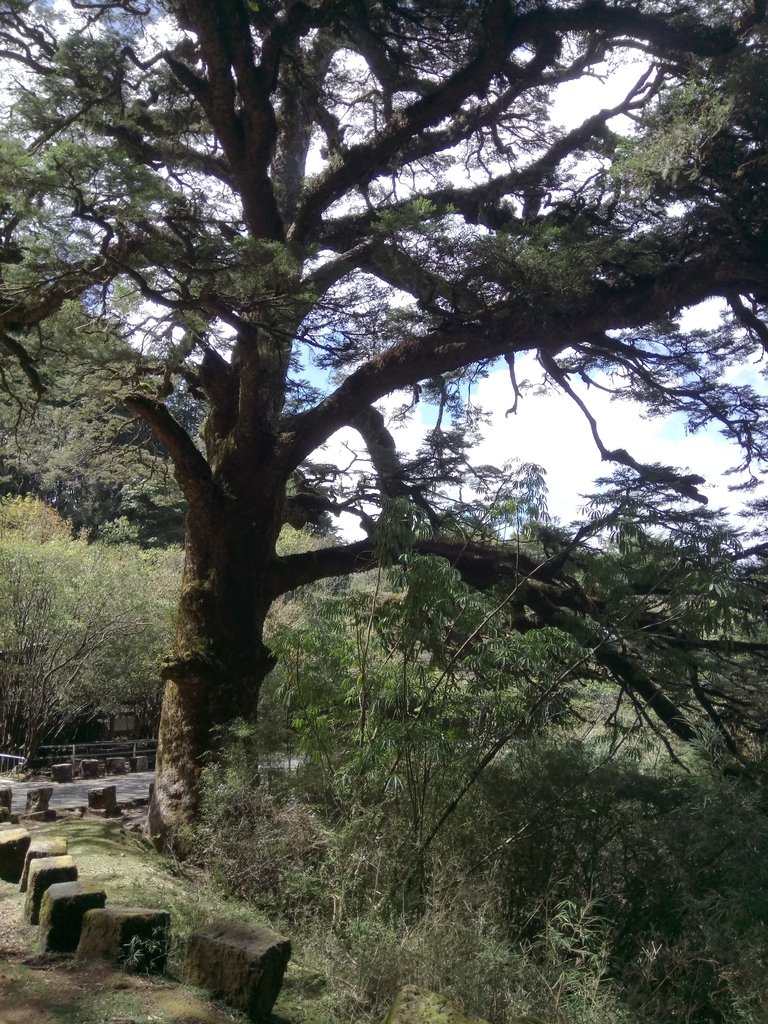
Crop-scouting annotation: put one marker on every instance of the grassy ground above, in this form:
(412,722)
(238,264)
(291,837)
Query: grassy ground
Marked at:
(37,989)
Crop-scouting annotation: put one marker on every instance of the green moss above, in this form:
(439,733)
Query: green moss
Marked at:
(417,1006)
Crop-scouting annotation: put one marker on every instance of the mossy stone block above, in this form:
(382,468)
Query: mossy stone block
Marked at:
(14,843)
(44,872)
(89,768)
(135,938)
(103,798)
(241,964)
(420,1006)
(6,797)
(62,772)
(62,911)
(43,846)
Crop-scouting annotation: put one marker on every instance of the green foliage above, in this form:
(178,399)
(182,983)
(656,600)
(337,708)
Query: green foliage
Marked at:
(143,954)
(82,626)
(676,137)
(79,449)
(560,260)
(391,678)
(584,882)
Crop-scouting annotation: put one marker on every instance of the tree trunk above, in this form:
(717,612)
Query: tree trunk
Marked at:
(195,707)
(219,661)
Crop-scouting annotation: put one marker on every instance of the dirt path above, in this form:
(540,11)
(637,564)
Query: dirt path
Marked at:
(40,992)
(15,936)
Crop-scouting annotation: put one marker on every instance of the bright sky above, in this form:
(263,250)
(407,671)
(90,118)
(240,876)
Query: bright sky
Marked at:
(551,430)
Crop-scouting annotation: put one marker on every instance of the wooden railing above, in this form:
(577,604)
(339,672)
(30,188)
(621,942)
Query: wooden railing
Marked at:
(63,752)
(11,764)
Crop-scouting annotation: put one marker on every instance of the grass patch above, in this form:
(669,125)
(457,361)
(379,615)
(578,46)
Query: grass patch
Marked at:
(133,874)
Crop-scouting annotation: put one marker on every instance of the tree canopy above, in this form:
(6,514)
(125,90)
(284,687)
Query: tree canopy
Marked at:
(292,210)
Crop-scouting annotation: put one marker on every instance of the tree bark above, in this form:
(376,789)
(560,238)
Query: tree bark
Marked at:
(196,705)
(235,496)
(219,660)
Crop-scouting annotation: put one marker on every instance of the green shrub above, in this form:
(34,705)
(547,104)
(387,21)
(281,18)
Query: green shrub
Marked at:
(579,884)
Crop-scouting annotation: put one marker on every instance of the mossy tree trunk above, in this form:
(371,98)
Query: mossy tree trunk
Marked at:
(216,669)
(235,495)
(201,695)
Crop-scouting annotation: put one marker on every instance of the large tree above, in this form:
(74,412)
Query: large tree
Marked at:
(254,191)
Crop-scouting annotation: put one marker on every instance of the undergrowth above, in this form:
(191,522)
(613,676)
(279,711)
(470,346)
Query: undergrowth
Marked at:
(572,887)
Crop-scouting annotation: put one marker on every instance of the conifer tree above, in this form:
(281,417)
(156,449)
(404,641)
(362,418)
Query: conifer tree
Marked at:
(375,188)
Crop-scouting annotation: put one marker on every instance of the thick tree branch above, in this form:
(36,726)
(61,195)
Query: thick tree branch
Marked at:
(24,359)
(190,468)
(484,202)
(749,319)
(627,671)
(477,565)
(521,325)
(365,161)
(236,98)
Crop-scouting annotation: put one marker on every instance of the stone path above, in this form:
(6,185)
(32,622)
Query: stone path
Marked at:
(75,794)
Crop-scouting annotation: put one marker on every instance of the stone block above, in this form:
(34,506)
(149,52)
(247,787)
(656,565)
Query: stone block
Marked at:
(89,768)
(44,872)
(141,763)
(61,913)
(103,798)
(420,1006)
(62,772)
(243,965)
(5,814)
(42,846)
(37,799)
(49,815)
(6,797)
(116,765)
(14,843)
(135,938)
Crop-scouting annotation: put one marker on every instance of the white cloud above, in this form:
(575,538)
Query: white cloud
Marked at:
(550,430)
